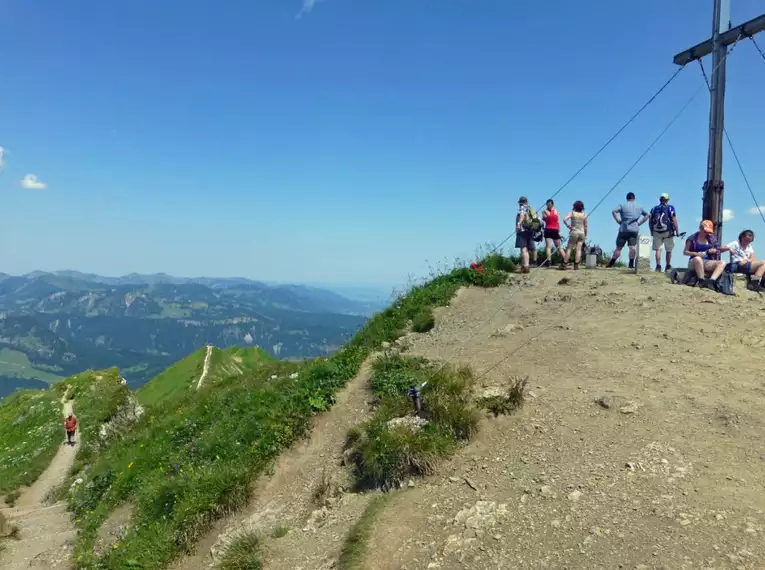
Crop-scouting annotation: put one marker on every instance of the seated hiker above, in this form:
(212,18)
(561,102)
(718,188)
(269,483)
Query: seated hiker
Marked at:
(704,253)
(742,260)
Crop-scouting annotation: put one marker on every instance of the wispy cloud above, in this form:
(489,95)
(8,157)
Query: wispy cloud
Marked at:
(30,182)
(728,215)
(3,152)
(755,211)
(308,6)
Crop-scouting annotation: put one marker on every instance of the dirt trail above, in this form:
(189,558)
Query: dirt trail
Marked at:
(46,532)
(667,470)
(284,501)
(206,367)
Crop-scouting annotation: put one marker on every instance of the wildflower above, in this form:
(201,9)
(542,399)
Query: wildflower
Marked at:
(130,465)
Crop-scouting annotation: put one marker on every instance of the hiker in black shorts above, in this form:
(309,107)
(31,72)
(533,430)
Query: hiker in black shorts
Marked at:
(628,216)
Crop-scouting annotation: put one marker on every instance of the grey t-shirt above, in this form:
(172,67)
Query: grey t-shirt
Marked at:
(630,214)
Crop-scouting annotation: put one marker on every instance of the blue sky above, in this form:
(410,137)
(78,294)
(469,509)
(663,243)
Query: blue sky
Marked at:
(363,141)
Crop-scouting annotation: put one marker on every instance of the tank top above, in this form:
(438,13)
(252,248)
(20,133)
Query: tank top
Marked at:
(704,247)
(552,220)
(577,222)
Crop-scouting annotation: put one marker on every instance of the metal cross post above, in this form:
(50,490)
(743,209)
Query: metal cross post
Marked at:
(722,36)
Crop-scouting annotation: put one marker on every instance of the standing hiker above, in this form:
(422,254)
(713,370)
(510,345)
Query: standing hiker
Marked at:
(664,228)
(628,216)
(551,218)
(70,424)
(576,222)
(527,222)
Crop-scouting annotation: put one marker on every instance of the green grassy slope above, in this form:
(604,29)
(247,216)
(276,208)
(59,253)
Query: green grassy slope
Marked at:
(30,434)
(176,379)
(194,455)
(31,424)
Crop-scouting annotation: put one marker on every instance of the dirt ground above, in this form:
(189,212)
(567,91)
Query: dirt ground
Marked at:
(640,445)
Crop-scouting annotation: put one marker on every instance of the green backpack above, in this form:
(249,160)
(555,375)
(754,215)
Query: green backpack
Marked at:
(532,221)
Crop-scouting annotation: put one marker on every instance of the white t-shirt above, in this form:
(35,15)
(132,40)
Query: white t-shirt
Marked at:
(740,254)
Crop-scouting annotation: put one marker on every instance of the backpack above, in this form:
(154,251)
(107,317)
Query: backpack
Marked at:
(661,219)
(532,221)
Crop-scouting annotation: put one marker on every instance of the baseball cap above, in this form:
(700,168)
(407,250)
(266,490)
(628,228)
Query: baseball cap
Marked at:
(708,226)
(664,196)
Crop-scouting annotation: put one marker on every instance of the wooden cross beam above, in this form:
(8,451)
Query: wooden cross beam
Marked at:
(723,35)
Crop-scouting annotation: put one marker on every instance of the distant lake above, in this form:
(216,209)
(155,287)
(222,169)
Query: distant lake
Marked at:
(8,385)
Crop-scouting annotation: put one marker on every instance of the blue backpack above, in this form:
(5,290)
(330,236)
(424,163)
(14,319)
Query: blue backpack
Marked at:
(661,218)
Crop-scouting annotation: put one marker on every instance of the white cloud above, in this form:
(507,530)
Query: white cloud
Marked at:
(308,6)
(727,215)
(3,152)
(755,211)
(30,182)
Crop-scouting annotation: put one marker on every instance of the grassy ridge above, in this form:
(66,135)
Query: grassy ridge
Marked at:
(193,457)
(30,434)
(178,378)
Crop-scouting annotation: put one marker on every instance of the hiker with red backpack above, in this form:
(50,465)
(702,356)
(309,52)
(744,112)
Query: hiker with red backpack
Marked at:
(664,228)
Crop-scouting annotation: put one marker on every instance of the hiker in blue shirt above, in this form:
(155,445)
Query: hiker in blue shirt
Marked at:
(628,216)
(663,224)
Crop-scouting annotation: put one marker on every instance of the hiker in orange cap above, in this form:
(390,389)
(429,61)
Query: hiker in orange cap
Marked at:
(70,424)
(704,251)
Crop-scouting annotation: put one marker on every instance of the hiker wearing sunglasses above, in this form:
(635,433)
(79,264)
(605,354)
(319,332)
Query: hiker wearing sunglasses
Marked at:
(742,260)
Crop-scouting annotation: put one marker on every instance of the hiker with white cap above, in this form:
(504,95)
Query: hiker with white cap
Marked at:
(664,228)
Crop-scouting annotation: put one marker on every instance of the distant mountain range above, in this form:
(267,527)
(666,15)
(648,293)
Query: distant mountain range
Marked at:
(53,324)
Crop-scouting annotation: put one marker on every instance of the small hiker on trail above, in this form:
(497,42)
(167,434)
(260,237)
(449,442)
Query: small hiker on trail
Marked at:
(527,222)
(551,218)
(664,228)
(628,216)
(70,424)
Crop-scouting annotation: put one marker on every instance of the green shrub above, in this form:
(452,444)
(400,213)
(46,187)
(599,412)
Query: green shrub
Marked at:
(12,497)
(424,321)
(242,554)
(498,262)
(384,455)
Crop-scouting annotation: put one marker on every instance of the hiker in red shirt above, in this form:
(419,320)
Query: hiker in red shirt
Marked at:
(70,424)
(551,218)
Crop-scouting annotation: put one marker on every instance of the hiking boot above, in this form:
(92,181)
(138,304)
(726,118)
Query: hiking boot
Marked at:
(755,286)
(632,264)
(658,269)
(576,266)
(668,268)
(562,266)
(525,270)
(611,263)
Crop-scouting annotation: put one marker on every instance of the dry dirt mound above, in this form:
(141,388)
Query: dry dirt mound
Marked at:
(45,532)
(640,445)
(303,509)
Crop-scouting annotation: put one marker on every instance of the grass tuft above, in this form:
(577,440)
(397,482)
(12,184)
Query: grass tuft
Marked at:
(279,531)
(507,403)
(12,497)
(384,455)
(353,553)
(323,489)
(242,554)
(424,321)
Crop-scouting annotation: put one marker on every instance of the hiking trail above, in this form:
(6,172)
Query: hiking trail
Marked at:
(286,499)
(46,532)
(206,367)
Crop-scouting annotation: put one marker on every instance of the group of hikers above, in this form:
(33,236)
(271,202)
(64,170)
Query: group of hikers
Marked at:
(705,265)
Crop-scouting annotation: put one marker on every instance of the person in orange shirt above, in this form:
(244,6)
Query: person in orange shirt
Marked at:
(70,424)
